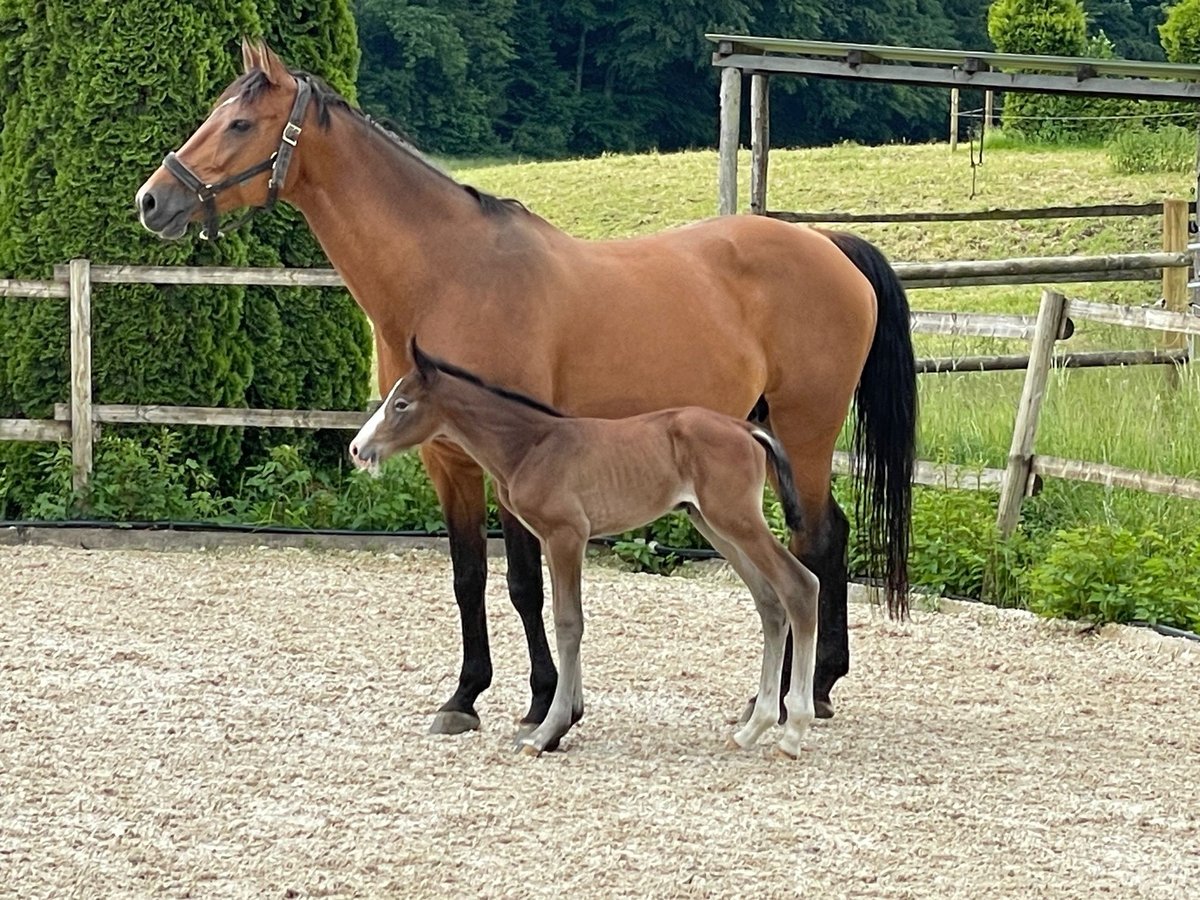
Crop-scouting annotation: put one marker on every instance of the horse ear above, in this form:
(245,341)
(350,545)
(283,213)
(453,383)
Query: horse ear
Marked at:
(425,366)
(249,62)
(277,72)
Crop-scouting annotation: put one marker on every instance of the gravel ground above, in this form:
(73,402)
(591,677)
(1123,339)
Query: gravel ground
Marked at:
(251,724)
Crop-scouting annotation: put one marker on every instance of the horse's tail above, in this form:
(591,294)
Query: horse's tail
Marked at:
(884,438)
(783,476)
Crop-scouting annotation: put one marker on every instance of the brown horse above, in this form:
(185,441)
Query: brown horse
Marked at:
(736,314)
(570,479)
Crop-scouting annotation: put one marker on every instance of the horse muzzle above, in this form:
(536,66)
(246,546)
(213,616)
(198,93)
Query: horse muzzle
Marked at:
(165,209)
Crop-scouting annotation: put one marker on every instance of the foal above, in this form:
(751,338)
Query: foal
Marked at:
(569,479)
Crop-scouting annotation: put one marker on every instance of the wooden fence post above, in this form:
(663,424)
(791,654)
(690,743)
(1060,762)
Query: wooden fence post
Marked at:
(989,108)
(1020,454)
(760,140)
(731,131)
(1174,280)
(953,119)
(81,375)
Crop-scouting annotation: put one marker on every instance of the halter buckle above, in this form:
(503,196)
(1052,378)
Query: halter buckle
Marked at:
(291,133)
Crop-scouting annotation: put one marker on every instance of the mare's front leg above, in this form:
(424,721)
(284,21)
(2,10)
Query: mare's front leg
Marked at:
(524,552)
(564,552)
(458,481)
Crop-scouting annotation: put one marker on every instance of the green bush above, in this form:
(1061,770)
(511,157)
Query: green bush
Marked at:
(1056,28)
(1105,574)
(1043,27)
(84,124)
(1138,151)
(1180,33)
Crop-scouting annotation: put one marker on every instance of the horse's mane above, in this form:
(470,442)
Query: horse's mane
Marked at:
(507,393)
(251,85)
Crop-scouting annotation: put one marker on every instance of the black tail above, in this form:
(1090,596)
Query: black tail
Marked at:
(783,477)
(885,426)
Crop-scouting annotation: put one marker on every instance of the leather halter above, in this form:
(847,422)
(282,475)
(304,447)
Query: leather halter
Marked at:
(277,162)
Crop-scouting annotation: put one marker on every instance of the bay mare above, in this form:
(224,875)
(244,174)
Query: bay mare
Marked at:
(736,314)
(569,479)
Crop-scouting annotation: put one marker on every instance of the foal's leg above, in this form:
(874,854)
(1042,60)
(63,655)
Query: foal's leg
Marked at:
(524,552)
(774,624)
(564,552)
(459,485)
(799,593)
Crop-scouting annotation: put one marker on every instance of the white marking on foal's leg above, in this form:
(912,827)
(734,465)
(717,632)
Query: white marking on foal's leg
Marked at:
(766,706)
(799,699)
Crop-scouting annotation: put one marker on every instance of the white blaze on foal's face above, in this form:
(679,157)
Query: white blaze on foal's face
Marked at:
(374,441)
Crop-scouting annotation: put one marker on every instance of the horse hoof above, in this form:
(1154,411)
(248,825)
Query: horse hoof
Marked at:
(780,753)
(528,748)
(823,708)
(525,729)
(452,721)
(732,744)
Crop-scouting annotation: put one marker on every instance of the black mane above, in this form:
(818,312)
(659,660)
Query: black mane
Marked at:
(507,393)
(253,84)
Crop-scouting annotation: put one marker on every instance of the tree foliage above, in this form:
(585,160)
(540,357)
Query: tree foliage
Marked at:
(83,124)
(1181,32)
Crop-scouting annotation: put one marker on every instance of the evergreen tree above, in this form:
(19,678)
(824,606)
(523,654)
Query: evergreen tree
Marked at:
(83,124)
(1181,32)
(439,67)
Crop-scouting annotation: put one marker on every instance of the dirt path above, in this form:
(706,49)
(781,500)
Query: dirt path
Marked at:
(252,724)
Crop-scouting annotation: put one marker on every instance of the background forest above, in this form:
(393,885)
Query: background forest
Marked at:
(578,77)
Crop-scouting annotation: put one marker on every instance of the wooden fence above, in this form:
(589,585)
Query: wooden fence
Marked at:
(77,419)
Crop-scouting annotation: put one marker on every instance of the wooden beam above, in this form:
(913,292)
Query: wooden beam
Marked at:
(974,324)
(1082,360)
(1113,476)
(731,129)
(1037,265)
(17,288)
(947,475)
(1018,473)
(152,414)
(760,140)
(213,275)
(82,429)
(969,60)
(927,76)
(1174,280)
(34,430)
(953,119)
(1134,316)
(1096,210)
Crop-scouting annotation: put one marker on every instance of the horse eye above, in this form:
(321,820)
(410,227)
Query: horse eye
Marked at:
(241,126)
(400,405)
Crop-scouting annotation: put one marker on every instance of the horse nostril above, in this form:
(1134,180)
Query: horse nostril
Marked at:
(148,202)
(354,450)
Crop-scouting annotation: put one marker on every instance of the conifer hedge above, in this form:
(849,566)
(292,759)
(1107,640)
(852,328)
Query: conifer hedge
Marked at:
(93,93)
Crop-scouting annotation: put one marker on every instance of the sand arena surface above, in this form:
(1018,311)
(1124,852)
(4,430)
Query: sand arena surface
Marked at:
(251,724)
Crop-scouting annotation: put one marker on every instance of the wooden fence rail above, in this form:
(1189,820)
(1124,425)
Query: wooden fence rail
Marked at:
(77,419)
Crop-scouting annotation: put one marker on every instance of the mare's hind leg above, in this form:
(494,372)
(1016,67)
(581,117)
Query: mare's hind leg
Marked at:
(822,549)
(564,552)
(774,625)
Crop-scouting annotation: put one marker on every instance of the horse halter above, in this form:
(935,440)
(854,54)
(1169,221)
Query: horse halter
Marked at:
(277,162)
